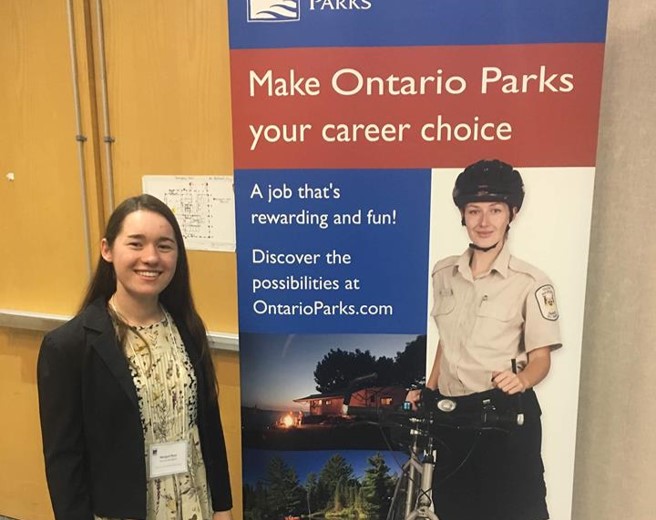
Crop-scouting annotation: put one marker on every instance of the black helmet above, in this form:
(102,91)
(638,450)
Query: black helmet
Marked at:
(489,181)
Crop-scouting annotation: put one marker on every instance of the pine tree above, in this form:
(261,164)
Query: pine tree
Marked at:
(358,499)
(351,496)
(311,490)
(284,493)
(337,499)
(377,487)
(255,501)
(335,469)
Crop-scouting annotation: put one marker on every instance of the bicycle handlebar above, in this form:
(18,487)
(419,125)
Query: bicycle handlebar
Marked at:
(437,411)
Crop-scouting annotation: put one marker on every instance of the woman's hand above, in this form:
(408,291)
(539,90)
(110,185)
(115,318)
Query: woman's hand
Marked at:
(414,396)
(539,362)
(222,515)
(508,382)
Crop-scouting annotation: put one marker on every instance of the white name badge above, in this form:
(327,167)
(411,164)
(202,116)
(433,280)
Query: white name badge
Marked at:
(167,458)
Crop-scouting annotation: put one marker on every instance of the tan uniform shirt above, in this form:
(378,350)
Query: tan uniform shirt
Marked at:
(486,322)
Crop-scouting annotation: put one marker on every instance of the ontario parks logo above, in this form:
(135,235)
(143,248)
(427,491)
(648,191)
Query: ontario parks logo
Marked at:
(274,10)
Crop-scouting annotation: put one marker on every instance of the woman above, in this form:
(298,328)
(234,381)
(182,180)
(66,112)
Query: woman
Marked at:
(127,391)
(498,324)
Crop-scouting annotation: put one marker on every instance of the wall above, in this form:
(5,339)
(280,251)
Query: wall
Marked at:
(616,456)
(169,113)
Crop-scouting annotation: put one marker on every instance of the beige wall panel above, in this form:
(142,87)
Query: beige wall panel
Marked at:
(616,452)
(23,491)
(169,109)
(43,265)
(214,286)
(227,373)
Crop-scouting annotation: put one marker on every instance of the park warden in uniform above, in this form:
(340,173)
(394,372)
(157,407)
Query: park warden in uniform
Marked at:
(498,323)
(501,315)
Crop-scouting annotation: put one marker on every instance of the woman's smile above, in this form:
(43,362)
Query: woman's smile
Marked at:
(486,222)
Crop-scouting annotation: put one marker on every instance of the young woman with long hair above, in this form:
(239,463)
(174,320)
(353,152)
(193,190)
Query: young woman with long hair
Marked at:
(127,391)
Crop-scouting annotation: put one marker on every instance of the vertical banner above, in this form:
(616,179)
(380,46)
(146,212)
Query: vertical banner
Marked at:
(351,122)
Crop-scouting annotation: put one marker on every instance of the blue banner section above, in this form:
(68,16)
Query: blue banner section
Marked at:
(261,24)
(332,251)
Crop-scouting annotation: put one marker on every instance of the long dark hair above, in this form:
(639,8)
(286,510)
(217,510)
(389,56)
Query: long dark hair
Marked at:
(176,297)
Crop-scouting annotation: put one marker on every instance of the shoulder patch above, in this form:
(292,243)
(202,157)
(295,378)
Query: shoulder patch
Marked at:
(546,297)
(445,262)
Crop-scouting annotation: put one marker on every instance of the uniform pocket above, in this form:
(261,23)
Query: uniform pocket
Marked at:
(496,312)
(498,328)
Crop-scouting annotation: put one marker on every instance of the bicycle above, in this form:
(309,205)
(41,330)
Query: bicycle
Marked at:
(412,499)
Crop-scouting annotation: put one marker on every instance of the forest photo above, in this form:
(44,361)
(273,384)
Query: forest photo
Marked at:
(334,490)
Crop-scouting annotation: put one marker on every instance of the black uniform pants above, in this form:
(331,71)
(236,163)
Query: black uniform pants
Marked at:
(492,474)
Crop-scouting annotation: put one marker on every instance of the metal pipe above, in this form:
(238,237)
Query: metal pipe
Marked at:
(80,138)
(107,139)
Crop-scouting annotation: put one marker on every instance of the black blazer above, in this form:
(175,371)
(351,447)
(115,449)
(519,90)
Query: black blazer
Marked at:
(91,426)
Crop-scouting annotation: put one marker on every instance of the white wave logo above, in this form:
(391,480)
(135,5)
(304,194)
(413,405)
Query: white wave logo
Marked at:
(273,11)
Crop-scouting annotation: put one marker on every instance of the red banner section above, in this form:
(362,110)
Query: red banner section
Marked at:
(533,105)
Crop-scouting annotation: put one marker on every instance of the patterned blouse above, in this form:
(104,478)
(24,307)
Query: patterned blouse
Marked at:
(166,388)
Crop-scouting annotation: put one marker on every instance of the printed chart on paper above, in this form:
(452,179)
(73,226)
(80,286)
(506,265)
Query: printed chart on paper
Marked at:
(203,205)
